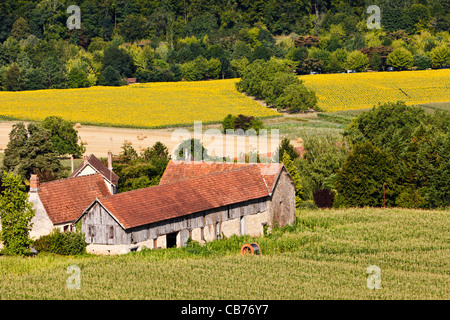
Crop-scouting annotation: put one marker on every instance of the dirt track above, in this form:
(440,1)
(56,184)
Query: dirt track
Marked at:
(98,140)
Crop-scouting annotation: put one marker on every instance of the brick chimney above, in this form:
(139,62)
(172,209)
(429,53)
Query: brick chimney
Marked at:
(110,167)
(34,183)
(85,159)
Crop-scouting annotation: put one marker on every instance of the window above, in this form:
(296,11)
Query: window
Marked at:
(91,231)
(111,232)
(202,233)
(66,228)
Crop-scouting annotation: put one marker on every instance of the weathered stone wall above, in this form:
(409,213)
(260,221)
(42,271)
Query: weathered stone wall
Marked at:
(42,225)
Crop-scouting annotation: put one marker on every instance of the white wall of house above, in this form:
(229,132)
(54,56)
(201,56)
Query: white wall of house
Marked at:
(42,225)
(88,170)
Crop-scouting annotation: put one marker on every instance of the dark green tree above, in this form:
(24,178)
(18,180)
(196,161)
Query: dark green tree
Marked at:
(63,136)
(360,181)
(16,213)
(134,27)
(29,151)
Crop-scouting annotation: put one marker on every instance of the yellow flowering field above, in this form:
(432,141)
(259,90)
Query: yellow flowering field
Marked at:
(141,105)
(337,92)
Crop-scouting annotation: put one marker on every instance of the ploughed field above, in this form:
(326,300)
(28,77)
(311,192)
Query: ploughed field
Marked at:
(325,255)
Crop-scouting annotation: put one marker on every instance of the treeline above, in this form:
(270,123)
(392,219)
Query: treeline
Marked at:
(392,155)
(198,40)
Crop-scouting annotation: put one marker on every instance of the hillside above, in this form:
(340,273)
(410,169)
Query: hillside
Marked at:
(324,256)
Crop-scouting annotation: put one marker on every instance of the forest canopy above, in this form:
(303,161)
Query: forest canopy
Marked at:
(155,40)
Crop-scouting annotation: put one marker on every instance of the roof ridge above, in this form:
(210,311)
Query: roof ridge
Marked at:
(70,178)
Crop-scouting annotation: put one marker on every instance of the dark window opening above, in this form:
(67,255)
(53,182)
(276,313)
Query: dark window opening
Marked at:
(171,240)
(111,232)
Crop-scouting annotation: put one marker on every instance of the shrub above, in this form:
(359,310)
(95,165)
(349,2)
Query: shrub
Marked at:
(401,59)
(241,122)
(67,243)
(410,199)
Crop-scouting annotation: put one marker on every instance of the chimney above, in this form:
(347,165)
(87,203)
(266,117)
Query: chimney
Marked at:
(71,163)
(85,159)
(110,167)
(34,183)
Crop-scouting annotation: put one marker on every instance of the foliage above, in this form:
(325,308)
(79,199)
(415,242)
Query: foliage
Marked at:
(63,243)
(324,156)
(16,213)
(416,145)
(400,59)
(140,171)
(357,61)
(289,164)
(191,148)
(63,136)
(30,150)
(440,56)
(274,81)
(286,147)
(362,176)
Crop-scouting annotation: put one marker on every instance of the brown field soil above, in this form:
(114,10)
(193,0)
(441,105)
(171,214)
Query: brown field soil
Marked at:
(99,140)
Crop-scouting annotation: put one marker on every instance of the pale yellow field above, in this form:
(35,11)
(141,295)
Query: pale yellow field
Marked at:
(337,92)
(142,105)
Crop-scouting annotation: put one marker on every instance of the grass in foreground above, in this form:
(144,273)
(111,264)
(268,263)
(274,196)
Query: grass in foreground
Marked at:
(324,256)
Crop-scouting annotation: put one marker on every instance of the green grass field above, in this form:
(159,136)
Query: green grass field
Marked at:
(324,256)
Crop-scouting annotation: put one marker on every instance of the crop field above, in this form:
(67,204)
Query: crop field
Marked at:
(148,105)
(325,255)
(336,92)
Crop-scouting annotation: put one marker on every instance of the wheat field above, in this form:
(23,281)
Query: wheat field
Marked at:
(325,255)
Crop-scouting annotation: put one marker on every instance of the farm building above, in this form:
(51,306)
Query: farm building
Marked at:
(198,200)
(92,165)
(59,203)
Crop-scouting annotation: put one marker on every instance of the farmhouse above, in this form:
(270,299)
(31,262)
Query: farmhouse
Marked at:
(59,203)
(198,200)
(92,165)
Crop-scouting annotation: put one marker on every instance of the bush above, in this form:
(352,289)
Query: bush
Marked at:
(241,122)
(410,199)
(64,243)
(400,59)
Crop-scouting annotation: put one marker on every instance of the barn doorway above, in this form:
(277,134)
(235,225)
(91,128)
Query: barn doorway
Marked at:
(171,240)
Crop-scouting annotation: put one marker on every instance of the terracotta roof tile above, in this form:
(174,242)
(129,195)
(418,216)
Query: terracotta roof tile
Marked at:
(180,170)
(65,200)
(171,200)
(100,167)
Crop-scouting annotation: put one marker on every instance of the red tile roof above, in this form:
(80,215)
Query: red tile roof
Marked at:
(180,170)
(65,200)
(172,200)
(100,167)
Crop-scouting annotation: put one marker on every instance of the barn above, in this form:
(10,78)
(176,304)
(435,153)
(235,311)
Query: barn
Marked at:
(59,203)
(198,200)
